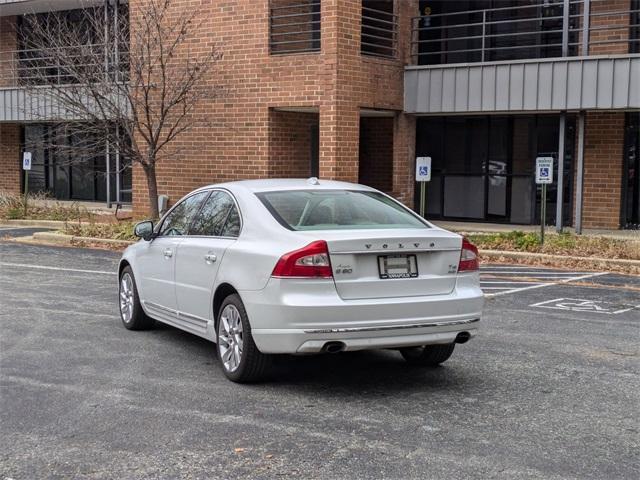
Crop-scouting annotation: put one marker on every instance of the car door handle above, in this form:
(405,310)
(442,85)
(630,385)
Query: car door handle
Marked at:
(210,258)
(168,253)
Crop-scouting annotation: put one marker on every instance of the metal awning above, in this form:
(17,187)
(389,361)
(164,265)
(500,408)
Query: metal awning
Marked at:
(609,82)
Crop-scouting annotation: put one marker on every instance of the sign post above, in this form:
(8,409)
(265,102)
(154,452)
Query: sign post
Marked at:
(544,176)
(26,166)
(423,175)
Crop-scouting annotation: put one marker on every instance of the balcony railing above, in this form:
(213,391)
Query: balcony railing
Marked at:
(294,26)
(22,68)
(542,30)
(379,34)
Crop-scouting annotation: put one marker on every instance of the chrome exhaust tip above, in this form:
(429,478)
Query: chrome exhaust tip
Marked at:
(333,347)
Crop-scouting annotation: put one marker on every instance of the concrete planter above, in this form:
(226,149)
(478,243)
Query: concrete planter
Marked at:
(546,256)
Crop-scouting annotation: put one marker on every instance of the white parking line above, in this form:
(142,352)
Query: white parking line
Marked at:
(45,267)
(548,284)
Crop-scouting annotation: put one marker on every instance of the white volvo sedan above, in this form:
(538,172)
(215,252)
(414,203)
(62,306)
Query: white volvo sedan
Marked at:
(292,266)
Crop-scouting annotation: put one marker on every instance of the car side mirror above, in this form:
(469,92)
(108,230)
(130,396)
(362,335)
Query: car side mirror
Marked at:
(144,230)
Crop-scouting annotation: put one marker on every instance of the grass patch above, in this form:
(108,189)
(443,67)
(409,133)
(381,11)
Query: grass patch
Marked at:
(41,207)
(558,244)
(114,231)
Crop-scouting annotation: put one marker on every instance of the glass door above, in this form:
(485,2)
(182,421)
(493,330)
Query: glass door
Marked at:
(631,178)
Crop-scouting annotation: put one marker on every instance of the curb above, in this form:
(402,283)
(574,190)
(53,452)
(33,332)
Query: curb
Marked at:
(547,256)
(34,223)
(63,239)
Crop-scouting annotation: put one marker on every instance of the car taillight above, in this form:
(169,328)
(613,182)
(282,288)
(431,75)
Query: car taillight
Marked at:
(311,261)
(468,257)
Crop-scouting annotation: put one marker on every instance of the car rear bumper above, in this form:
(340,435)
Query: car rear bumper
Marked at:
(302,316)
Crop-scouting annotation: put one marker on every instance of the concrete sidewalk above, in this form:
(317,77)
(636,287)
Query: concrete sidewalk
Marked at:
(475,227)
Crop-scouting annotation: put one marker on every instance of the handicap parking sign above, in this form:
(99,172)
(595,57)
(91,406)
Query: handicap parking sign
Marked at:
(544,170)
(423,169)
(26,161)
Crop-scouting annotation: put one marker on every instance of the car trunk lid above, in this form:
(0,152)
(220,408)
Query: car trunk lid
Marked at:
(393,263)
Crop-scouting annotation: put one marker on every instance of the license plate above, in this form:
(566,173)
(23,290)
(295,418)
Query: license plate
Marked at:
(397,266)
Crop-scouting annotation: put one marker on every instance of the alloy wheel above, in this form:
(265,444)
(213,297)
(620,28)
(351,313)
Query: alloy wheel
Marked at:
(126,297)
(230,340)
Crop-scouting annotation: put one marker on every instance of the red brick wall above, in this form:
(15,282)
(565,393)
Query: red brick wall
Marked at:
(604,143)
(290,143)
(369,82)
(8,45)
(338,81)
(617,35)
(9,158)
(376,153)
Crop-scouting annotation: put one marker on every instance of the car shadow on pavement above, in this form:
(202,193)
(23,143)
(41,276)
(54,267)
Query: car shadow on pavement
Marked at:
(369,372)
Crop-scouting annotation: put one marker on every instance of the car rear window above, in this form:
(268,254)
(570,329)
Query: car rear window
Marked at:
(337,210)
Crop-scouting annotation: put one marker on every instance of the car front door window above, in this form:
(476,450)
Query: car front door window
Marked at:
(218,217)
(178,221)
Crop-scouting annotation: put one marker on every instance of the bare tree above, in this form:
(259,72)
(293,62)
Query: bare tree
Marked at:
(130,80)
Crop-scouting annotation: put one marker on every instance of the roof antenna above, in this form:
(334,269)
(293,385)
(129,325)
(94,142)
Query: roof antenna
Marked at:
(313,181)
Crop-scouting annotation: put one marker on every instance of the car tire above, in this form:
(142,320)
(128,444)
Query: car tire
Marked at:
(245,364)
(429,355)
(131,312)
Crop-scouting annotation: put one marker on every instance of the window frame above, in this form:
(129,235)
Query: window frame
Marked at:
(209,191)
(235,204)
(164,218)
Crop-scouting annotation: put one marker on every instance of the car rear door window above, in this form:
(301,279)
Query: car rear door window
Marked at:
(218,217)
(177,221)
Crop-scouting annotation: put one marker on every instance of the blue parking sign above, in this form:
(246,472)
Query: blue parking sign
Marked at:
(26,160)
(423,169)
(544,170)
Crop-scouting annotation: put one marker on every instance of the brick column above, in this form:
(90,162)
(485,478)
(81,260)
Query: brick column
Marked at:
(10,158)
(8,44)
(618,27)
(339,111)
(603,162)
(404,149)
(339,136)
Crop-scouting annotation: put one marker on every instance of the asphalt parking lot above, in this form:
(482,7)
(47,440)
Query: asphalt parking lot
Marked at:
(549,388)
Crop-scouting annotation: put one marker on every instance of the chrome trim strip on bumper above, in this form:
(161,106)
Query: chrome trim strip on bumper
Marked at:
(392,327)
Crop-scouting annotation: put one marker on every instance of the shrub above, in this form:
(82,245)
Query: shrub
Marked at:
(40,207)
(116,231)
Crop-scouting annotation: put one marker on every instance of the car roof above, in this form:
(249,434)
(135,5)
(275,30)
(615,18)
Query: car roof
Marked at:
(279,184)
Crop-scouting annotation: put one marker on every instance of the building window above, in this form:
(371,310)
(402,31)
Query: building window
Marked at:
(634,27)
(84,50)
(490,30)
(483,166)
(294,26)
(379,31)
(70,164)
(631,173)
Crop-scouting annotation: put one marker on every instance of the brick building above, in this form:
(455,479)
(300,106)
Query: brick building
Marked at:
(356,89)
